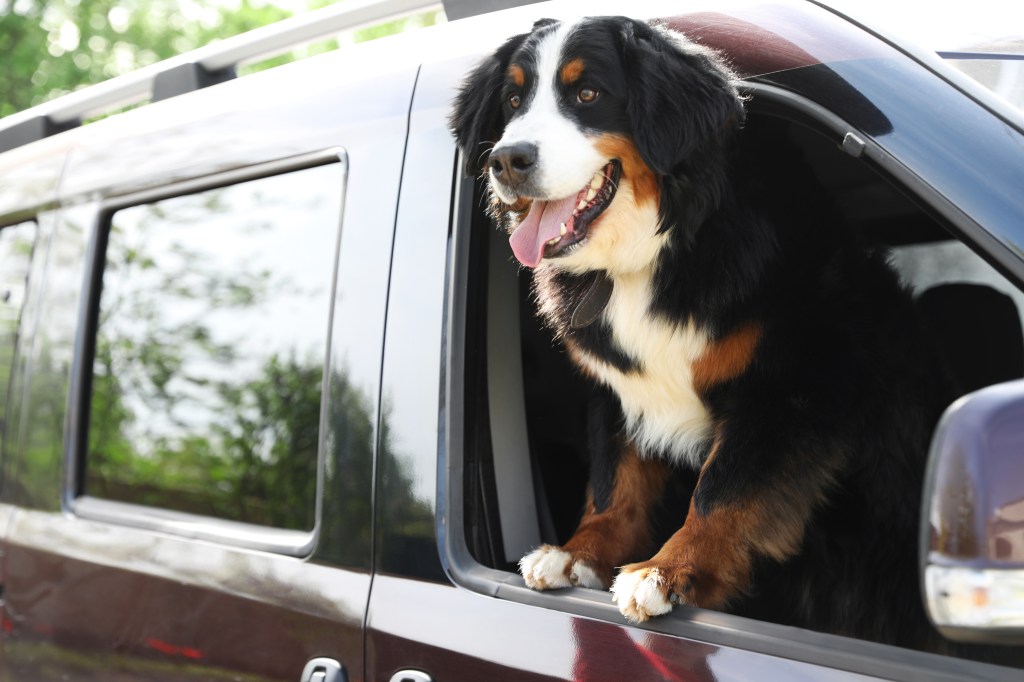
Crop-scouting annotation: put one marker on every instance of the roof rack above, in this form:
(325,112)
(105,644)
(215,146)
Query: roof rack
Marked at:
(199,68)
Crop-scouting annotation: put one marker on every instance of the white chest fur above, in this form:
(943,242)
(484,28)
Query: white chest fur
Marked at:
(663,412)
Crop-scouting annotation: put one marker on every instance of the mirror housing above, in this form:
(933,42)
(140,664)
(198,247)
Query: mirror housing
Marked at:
(972,530)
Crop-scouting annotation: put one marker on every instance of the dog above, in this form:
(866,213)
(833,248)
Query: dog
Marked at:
(778,360)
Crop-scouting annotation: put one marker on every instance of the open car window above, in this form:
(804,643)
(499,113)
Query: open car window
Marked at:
(522,454)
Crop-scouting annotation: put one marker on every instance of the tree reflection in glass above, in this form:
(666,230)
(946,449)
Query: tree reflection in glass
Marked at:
(210,348)
(16,244)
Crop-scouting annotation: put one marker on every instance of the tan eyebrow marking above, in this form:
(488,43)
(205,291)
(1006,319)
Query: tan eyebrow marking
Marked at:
(571,71)
(515,72)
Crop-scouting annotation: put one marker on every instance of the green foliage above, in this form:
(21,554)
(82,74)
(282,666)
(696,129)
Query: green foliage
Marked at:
(397,26)
(257,463)
(52,47)
(174,420)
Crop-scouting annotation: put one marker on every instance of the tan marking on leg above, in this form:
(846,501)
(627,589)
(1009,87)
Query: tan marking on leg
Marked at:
(708,562)
(621,531)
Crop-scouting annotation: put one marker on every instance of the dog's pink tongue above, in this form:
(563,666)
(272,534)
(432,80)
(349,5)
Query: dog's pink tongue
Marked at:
(542,224)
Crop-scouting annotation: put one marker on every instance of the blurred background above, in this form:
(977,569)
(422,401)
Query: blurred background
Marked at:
(51,47)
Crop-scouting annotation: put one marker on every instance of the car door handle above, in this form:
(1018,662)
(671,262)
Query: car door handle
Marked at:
(411,676)
(323,670)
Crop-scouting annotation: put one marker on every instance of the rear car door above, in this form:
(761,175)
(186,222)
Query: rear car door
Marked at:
(189,479)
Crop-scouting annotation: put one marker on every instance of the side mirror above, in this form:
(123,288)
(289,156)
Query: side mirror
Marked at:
(972,531)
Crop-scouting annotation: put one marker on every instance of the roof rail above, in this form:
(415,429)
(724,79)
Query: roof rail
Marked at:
(204,66)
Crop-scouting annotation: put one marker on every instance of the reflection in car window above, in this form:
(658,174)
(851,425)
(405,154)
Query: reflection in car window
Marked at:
(1003,76)
(209,355)
(16,244)
(927,265)
(983,38)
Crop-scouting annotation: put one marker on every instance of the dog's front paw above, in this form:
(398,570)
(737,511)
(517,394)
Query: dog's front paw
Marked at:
(652,588)
(642,592)
(551,568)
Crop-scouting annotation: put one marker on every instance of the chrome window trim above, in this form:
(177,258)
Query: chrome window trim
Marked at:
(183,524)
(294,543)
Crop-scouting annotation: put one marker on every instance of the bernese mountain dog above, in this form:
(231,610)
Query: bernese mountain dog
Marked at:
(780,361)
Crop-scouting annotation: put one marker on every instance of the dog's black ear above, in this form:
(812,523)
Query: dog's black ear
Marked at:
(476,118)
(680,96)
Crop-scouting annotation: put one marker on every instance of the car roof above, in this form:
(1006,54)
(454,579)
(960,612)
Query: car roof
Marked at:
(759,38)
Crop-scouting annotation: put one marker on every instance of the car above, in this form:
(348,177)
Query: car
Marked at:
(276,406)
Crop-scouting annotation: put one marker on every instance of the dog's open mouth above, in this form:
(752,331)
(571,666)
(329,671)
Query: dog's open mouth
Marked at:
(552,228)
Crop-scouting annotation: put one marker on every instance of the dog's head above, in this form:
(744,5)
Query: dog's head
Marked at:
(599,138)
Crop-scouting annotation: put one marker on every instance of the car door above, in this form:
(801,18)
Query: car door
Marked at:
(190,480)
(421,626)
(461,496)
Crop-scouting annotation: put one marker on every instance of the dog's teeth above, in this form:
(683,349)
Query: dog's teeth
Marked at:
(555,240)
(591,194)
(596,182)
(563,229)
(579,207)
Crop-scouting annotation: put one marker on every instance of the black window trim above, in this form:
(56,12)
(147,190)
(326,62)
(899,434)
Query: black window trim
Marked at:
(182,524)
(826,651)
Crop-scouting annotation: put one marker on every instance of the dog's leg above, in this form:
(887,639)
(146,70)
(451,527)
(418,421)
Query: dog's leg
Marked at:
(706,563)
(743,507)
(615,527)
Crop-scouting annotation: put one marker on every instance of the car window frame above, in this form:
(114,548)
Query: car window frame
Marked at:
(294,543)
(858,657)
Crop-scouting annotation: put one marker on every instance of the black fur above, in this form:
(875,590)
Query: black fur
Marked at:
(477,115)
(604,426)
(682,139)
(835,411)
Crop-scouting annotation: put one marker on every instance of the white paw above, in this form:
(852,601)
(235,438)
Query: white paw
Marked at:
(641,594)
(548,568)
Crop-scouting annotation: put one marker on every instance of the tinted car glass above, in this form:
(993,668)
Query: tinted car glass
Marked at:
(1003,75)
(210,348)
(16,243)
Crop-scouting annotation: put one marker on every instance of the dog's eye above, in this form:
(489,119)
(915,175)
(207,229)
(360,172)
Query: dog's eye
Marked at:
(586,95)
(515,101)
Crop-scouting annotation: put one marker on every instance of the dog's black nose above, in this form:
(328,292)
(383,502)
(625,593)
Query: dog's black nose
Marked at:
(512,164)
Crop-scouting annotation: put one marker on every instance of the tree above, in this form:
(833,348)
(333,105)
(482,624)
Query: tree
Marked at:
(52,47)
